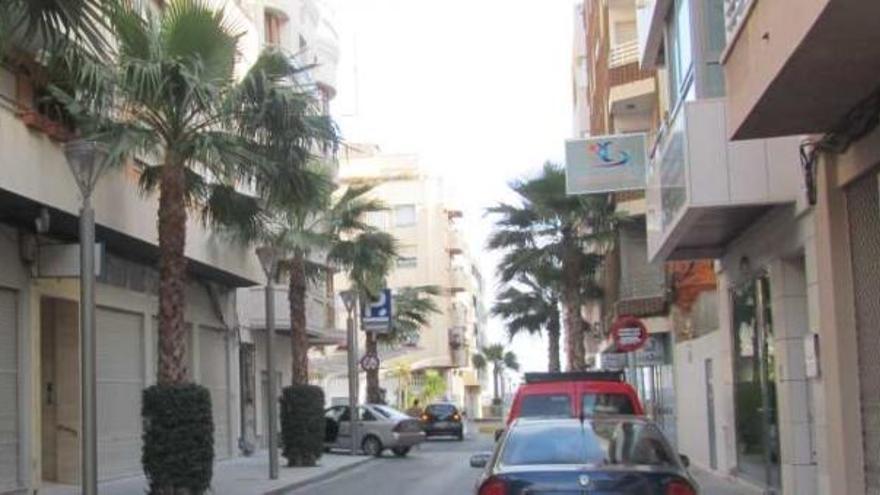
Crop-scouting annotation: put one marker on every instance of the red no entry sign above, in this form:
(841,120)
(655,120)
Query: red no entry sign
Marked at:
(629,333)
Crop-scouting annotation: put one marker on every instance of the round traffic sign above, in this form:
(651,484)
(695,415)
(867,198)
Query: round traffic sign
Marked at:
(629,333)
(370,362)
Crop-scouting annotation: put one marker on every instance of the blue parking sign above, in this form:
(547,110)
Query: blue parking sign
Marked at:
(376,315)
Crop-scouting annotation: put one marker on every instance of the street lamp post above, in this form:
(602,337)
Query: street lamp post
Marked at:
(350,299)
(268,256)
(87,160)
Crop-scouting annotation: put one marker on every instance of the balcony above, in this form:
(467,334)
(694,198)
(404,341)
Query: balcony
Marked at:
(319,324)
(703,190)
(798,69)
(456,244)
(624,54)
(458,280)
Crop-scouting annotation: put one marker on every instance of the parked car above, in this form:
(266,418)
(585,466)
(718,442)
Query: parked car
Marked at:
(573,394)
(610,454)
(443,419)
(379,427)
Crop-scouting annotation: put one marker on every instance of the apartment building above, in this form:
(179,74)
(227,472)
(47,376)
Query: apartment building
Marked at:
(811,69)
(621,98)
(431,252)
(39,292)
(745,343)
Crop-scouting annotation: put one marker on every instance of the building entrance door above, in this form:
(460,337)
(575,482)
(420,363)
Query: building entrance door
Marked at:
(757,431)
(59,390)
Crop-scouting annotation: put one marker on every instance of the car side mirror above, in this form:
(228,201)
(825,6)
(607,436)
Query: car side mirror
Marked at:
(685,460)
(480,460)
(498,433)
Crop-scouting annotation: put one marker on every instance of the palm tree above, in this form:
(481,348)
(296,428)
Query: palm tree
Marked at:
(367,258)
(549,228)
(411,311)
(529,306)
(501,359)
(307,231)
(170,95)
(52,23)
(433,387)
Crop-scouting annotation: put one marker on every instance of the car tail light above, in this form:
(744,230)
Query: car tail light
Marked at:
(456,417)
(680,488)
(493,486)
(425,417)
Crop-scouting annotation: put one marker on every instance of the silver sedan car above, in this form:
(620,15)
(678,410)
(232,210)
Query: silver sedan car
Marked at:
(379,427)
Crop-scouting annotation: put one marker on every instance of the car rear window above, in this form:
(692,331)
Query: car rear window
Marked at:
(546,405)
(598,403)
(593,443)
(440,409)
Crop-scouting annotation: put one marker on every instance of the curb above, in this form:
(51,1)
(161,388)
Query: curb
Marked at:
(318,478)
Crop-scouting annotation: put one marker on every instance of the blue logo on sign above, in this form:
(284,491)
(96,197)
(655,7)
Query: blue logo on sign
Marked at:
(607,156)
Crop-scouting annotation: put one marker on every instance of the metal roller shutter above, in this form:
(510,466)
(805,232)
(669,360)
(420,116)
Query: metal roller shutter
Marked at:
(863,210)
(120,366)
(213,374)
(10,477)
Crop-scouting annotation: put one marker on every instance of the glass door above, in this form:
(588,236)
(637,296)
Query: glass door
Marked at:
(757,431)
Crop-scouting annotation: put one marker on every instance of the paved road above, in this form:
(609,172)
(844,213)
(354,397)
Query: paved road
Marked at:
(438,467)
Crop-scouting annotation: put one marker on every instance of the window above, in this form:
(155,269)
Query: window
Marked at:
(407,257)
(377,219)
(273,24)
(680,53)
(548,405)
(407,262)
(404,215)
(366,415)
(606,442)
(606,404)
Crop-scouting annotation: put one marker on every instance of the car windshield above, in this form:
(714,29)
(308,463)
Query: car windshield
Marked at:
(605,442)
(607,404)
(545,405)
(389,412)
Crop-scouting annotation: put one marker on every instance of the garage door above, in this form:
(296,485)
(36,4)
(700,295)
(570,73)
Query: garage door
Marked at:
(213,374)
(120,384)
(9,473)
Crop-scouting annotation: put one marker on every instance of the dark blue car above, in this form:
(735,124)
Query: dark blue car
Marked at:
(620,455)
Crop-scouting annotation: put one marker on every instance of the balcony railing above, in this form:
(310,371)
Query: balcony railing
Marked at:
(624,53)
(734,13)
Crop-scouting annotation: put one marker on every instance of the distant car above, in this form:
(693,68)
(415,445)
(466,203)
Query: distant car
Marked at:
(443,419)
(624,455)
(379,427)
(572,394)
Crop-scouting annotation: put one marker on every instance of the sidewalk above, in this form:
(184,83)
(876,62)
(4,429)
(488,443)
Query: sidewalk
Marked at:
(713,484)
(238,476)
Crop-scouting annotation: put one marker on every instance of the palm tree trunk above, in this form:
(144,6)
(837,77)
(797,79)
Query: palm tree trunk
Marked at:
(553,344)
(299,342)
(495,382)
(172,273)
(374,395)
(571,307)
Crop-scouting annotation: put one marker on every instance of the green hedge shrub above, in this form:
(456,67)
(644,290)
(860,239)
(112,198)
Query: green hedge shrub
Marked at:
(178,452)
(302,424)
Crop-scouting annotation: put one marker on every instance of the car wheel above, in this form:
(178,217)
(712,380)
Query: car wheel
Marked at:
(372,446)
(400,451)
